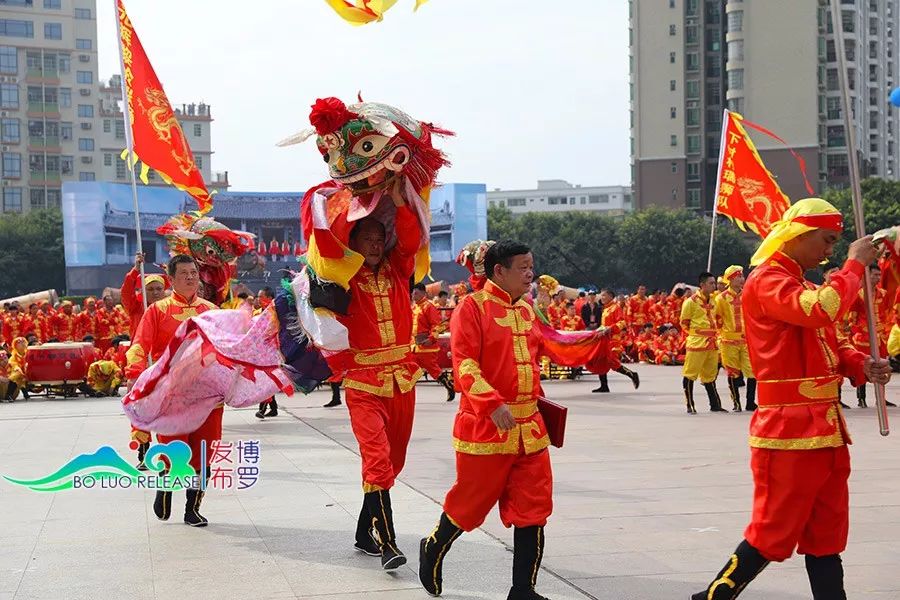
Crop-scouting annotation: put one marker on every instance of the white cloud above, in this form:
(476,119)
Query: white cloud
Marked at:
(533,89)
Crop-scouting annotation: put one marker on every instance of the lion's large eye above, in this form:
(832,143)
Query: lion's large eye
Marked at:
(370,145)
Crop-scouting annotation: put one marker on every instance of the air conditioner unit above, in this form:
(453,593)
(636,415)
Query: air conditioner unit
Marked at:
(86,125)
(87,160)
(84,92)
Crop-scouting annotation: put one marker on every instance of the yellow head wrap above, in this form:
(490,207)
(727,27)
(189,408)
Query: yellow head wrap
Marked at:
(148,279)
(803,216)
(731,271)
(548,284)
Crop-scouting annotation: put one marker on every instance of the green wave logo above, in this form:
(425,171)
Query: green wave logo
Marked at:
(107,464)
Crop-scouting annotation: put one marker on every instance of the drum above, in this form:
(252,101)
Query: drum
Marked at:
(56,364)
(443,358)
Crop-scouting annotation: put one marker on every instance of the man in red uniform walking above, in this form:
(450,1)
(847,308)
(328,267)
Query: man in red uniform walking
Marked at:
(798,436)
(428,326)
(499,435)
(157,326)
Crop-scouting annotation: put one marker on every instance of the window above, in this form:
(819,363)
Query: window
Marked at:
(735,21)
(54,198)
(691,7)
(10,132)
(66,164)
(12,165)
(199,160)
(690,34)
(65,131)
(673,140)
(86,144)
(116,251)
(712,42)
(736,79)
(516,202)
(835,136)
(65,97)
(713,93)
(693,171)
(65,63)
(692,89)
(555,200)
(85,77)
(673,112)
(672,30)
(38,200)
(674,167)
(736,105)
(713,69)
(736,50)
(693,198)
(120,129)
(53,4)
(52,31)
(121,169)
(9,95)
(86,176)
(107,126)
(107,160)
(672,85)
(693,144)
(692,61)
(831,80)
(672,57)
(12,199)
(198,130)
(671,3)
(598,199)
(82,13)
(9,62)
(83,44)
(693,117)
(86,111)
(15,28)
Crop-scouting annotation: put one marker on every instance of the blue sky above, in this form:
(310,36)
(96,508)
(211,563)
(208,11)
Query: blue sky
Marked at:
(533,89)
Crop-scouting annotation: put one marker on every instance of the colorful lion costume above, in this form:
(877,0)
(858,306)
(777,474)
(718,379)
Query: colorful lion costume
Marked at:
(213,246)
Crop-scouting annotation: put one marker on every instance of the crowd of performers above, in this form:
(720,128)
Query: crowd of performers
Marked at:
(355,316)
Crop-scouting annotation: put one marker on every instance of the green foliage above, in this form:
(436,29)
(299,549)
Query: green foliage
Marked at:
(881,206)
(656,247)
(31,253)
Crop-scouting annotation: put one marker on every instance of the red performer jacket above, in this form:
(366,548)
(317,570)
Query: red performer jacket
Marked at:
(637,310)
(157,327)
(428,326)
(797,357)
(65,327)
(379,320)
(494,345)
(614,319)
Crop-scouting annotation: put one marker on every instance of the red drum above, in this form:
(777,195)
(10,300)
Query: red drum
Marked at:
(55,364)
(443,357)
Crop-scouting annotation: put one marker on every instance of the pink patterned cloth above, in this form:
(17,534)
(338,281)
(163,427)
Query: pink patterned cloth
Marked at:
(221,356)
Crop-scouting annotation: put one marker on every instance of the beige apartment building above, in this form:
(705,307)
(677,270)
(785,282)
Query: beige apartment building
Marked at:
(772,61)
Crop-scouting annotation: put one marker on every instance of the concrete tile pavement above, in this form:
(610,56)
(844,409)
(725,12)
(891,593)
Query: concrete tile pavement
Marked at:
(648,504)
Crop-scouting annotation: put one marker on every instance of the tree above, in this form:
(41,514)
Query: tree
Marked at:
(31,253)
(881,205)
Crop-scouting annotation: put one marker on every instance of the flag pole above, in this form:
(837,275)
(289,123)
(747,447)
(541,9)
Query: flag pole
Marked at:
(712,231)
(129,143)
(837,26)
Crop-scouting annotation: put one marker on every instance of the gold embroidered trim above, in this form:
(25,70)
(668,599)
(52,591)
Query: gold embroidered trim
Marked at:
(523,411)
(470,367)
(809,389)
(826,297)
(525,432)
(371,487)
(381,356)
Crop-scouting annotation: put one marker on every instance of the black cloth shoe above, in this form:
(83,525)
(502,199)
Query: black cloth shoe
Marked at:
(634,377)
(528,551)
(379,505)
(715,403)
(446,380)
(826,577)
(432,550)
(751,394)
(335,396)
(688,385)
(192,514)
(735,392)
(142,452)
(365,542)
(604,386)
(742,568)
(261,413)
(273,408)
(162,505)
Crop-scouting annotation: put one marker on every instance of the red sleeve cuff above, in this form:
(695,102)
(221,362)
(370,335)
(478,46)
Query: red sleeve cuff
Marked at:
(855,267)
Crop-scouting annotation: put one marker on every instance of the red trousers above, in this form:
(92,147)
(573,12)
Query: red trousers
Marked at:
(382,427)
(800,500)
(521,483)
(429,363)
(208,432)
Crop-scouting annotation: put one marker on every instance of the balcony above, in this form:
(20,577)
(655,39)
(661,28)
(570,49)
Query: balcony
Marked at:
(46,75)
(43,108)
(44,178)
(40,142)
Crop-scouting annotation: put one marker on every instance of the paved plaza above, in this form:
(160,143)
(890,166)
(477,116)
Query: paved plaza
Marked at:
(649,502)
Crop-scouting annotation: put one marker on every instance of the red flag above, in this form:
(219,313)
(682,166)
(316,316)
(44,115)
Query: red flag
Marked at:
(158,139)
(747,192)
